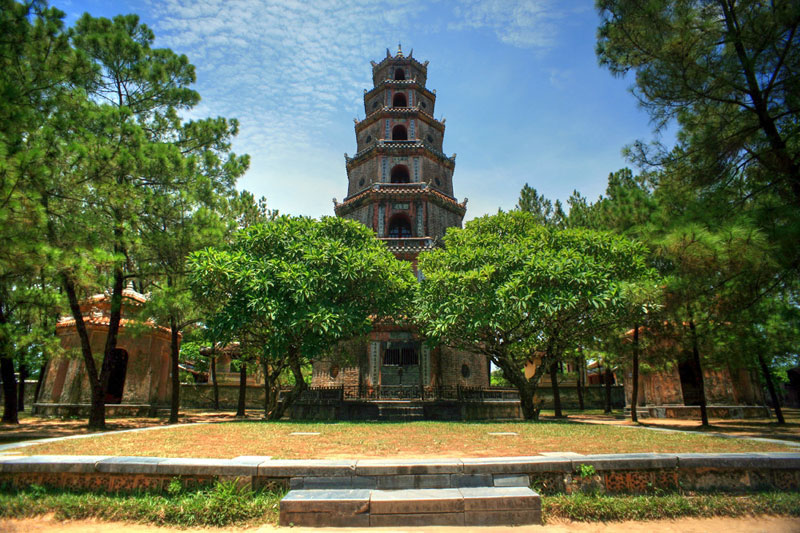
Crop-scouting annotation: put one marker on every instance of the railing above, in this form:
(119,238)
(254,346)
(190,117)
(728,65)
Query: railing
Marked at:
(408,242)
(406,392)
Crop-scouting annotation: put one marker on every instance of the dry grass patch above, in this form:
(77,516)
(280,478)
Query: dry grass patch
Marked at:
(394,439)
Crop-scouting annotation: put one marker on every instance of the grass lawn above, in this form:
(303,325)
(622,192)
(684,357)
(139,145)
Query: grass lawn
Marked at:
(393,439)
(225,505)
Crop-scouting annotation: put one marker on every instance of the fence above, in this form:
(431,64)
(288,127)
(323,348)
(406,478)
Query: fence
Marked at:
(408,392)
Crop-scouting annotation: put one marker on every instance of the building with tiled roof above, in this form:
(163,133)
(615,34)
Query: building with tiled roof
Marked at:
(400,185)
(139,366)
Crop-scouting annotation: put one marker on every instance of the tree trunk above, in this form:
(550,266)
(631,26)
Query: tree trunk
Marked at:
(607,379)
(635,384)
(299,384)
(97,415)
(267,387)
(23,375)
(526,397)
(699,367)
(556,391)
(780,156)
(174,354)
(242,388)
(214,379)
(584,374)
(771,388)
(580,380)
(10,414)
(114,318)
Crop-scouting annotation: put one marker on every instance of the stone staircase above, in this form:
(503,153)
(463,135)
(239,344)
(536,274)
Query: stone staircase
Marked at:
(400,410)
(390,500)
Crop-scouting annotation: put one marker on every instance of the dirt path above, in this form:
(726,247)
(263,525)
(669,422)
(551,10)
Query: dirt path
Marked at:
(765,524)
(760,428)
(33,427)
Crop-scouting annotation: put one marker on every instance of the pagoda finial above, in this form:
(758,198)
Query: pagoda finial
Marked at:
(399,50)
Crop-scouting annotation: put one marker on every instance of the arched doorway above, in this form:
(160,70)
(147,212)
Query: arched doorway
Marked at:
(118,368)
(399,226)
(400,74)
(399,133)
(400,367)
(399,100)
(400,174)
(691,380)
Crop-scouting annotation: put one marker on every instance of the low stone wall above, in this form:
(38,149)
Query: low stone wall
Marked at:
(594,396)
(434,410)
(613,473)
(693,411)
(82,410)
(201,396)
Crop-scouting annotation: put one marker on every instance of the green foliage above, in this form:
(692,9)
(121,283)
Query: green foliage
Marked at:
(292,287)
(586,470)
(498,380)
(312,282)
(542,209)
(604,508)
(727,72)
(517,291)
(105,181)
(223,504)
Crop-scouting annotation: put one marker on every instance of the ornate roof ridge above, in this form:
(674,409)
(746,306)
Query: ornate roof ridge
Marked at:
(411,188)
(384,143)
(398,58)
(415,109)
(69,322)
(412,81)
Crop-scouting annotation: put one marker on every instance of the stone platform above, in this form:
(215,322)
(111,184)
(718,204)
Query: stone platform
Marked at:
(692,412)
(467,506)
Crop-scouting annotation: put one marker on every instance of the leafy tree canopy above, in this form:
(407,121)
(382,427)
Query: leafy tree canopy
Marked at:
(518,291)
(304,284)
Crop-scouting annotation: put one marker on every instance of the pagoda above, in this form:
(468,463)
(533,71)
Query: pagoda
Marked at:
(400,184)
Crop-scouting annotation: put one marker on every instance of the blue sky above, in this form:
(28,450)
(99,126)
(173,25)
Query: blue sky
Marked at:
(517,81)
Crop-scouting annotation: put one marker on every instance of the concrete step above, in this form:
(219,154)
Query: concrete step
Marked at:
(473,506)
(400,411)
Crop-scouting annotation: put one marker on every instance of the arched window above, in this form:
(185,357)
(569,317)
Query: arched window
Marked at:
(399,100)
(399,74)
(400,174)
(399,133)
(399,227)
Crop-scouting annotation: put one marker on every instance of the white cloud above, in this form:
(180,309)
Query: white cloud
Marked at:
(520,23)
(286,68)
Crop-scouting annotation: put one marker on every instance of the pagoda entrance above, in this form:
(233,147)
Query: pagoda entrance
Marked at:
(400,365)
(399,369)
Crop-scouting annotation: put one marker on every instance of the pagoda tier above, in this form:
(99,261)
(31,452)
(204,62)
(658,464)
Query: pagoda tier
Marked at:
(408,216)
(399,140)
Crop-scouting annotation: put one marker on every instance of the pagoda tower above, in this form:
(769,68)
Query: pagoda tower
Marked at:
(400,184)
